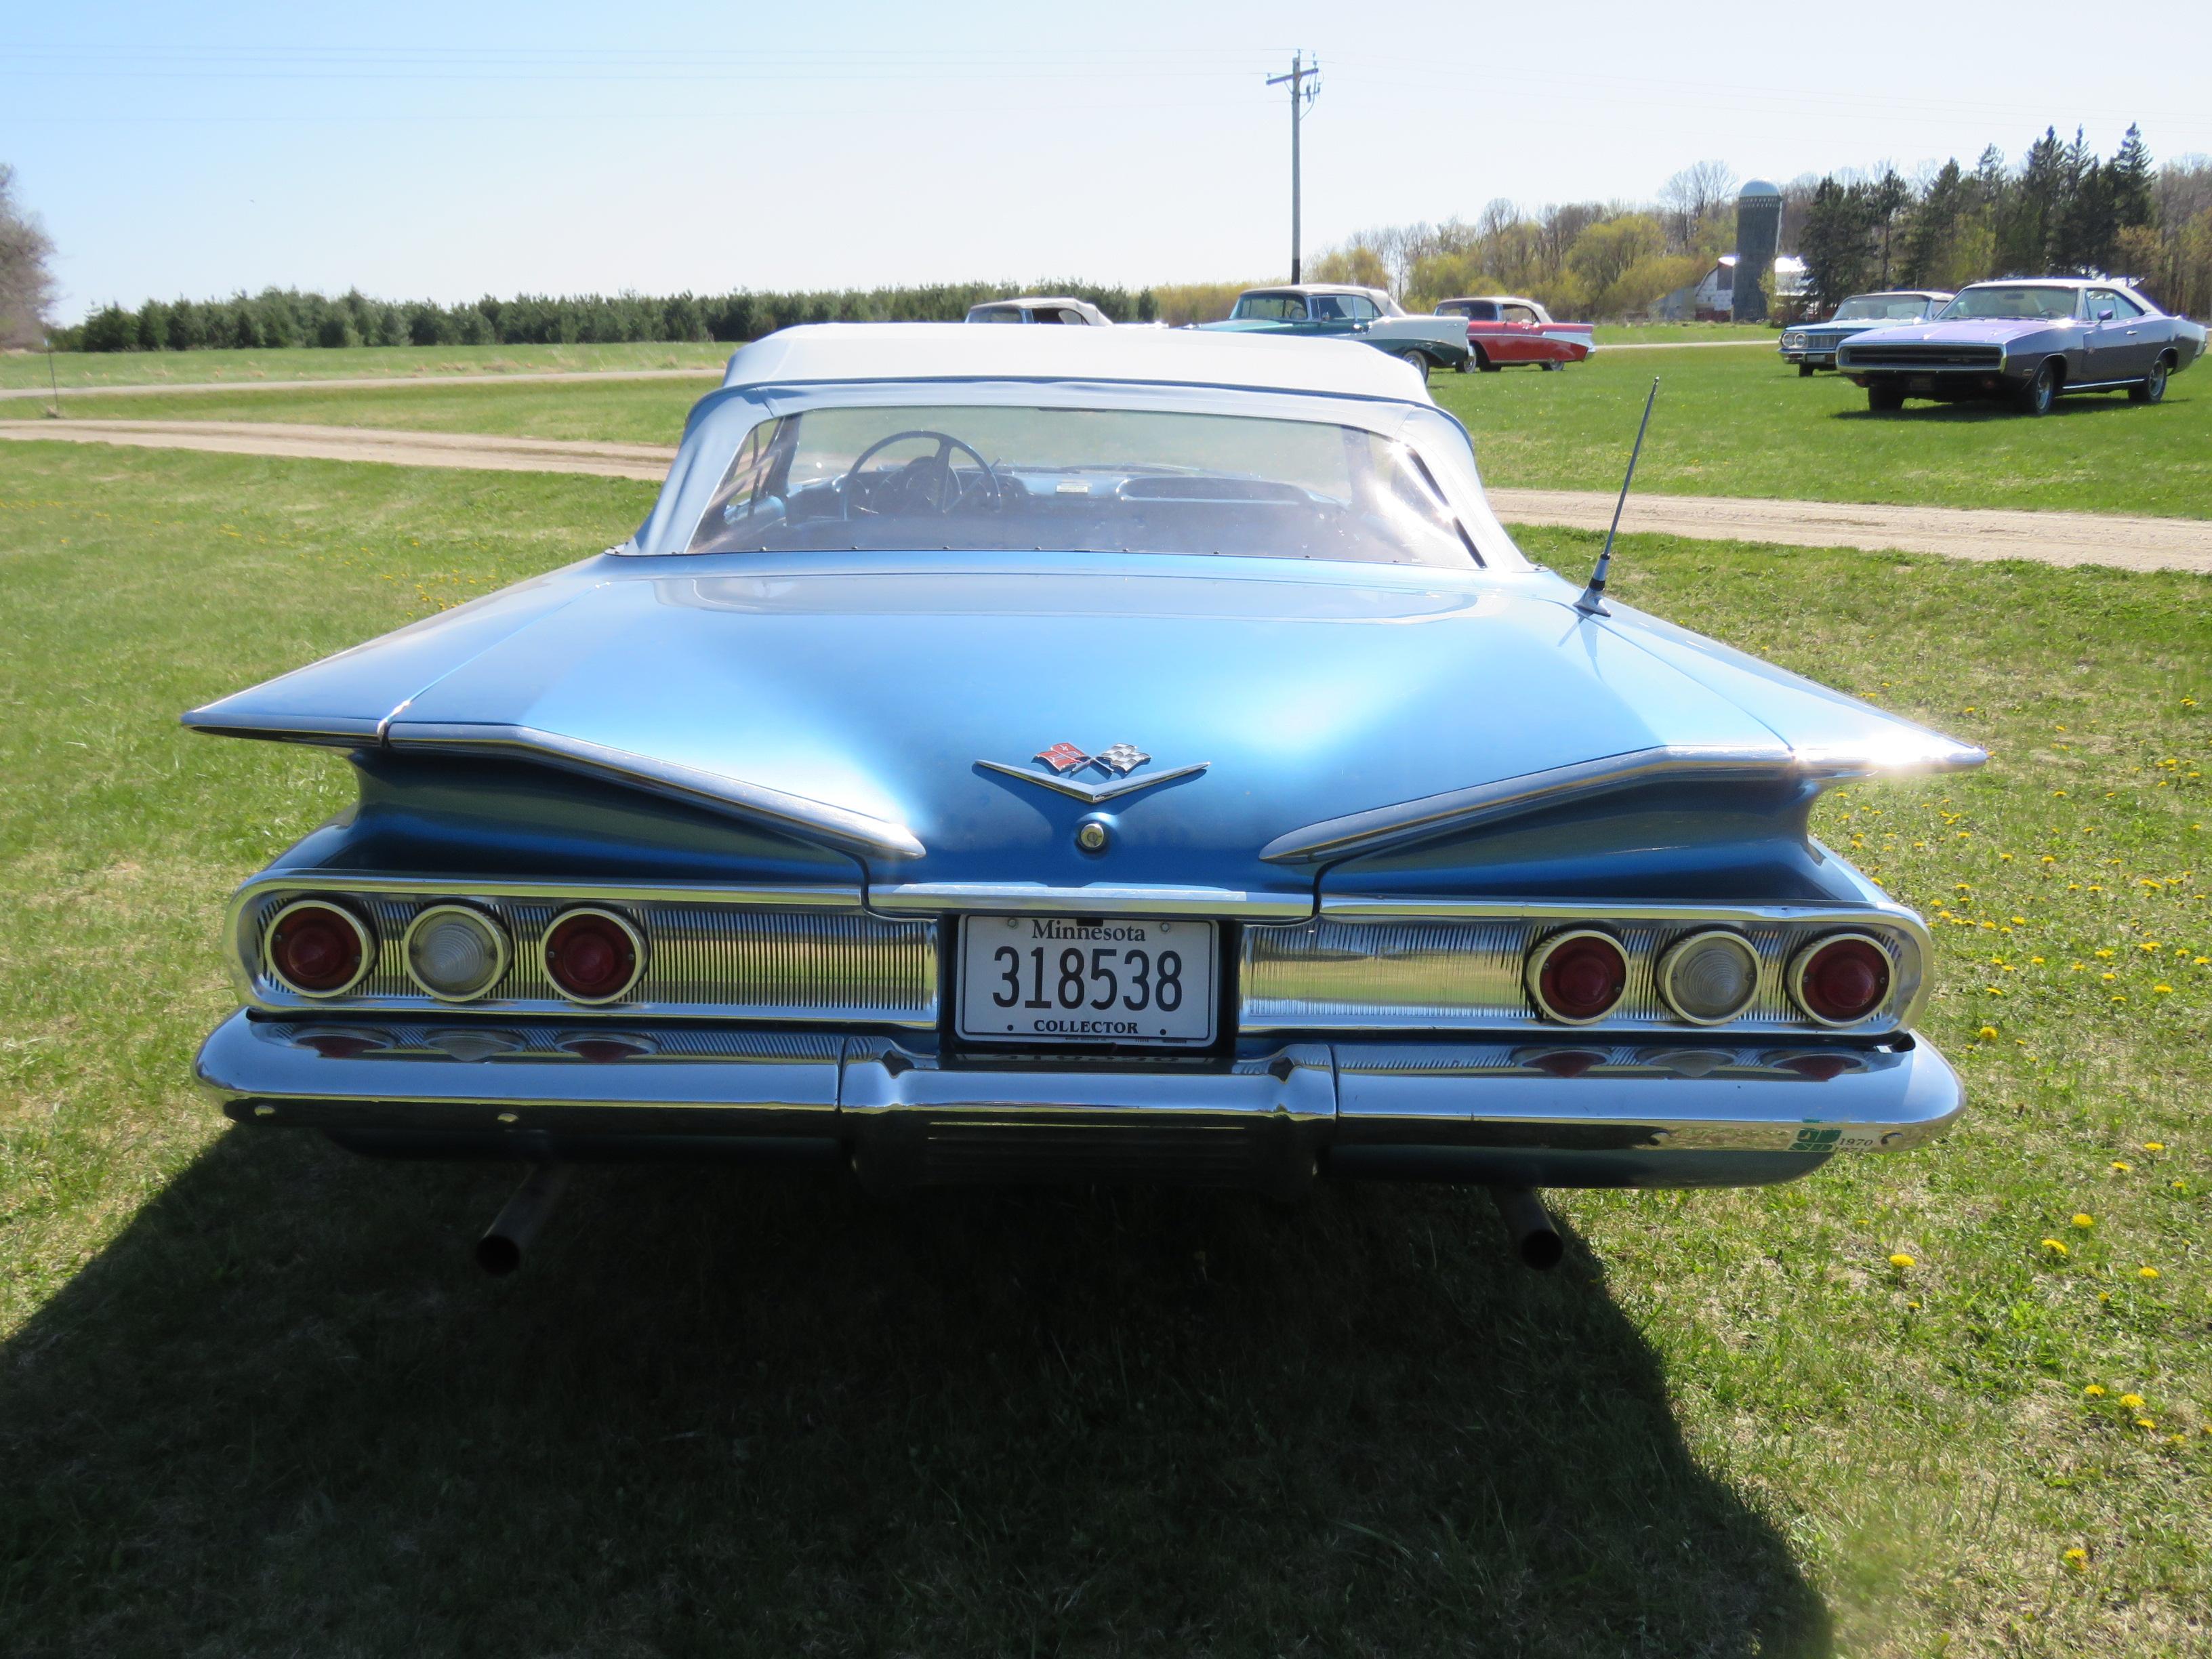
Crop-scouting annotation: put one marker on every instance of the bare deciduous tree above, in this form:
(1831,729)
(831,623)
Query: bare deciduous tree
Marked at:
(27,282)
(1695,196)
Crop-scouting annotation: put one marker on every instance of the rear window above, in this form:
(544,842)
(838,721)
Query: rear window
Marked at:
(990,478)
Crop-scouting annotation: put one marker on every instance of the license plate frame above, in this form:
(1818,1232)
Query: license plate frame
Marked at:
(1105,946)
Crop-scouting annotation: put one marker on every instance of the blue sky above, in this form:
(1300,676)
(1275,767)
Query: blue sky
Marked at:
(449,150)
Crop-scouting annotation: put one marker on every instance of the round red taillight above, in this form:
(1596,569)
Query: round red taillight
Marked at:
(1841,979)
(593,956)
(1577,977)
(316,949)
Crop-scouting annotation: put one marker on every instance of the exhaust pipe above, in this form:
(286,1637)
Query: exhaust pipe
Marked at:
(499,1252)
(1535,1238)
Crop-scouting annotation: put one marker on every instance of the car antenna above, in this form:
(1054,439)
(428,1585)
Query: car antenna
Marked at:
(1592,603)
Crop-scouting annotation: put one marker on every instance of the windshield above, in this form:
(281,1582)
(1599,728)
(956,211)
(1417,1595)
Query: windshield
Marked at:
(989,477)
(2026,300)
(1880,308)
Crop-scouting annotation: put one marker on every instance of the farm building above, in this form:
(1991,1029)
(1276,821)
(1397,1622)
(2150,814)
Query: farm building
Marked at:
(1712,298)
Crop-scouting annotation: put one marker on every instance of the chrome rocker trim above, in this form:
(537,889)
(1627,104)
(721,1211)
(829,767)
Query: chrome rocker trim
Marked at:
(1576,1109)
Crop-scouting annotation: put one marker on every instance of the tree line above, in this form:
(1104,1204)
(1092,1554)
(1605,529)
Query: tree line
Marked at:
(290,316)
(2062,210)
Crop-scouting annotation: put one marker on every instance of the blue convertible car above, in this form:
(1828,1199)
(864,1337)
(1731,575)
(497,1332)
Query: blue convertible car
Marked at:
(1043,753)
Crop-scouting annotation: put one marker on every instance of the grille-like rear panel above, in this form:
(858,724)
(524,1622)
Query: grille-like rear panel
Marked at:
(716,960)
(1435,972)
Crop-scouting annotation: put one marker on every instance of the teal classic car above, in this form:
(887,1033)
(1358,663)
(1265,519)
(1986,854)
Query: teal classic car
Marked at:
(1338,311)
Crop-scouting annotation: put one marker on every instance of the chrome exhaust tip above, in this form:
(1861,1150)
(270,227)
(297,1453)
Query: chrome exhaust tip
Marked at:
(1535,1236)
(500,1250)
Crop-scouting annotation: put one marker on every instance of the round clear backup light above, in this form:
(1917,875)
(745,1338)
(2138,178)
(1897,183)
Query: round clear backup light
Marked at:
(455,953)
(317,949)
(1577,977)
(1709,977)
(593,955)
(1841,979)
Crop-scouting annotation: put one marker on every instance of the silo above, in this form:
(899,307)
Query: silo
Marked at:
(1757,239)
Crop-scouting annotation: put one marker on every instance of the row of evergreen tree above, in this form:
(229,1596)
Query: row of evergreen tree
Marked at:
(288,317)
(2064,210)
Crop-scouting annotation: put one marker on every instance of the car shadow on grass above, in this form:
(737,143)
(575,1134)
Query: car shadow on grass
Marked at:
(1973,414)
(731,1411)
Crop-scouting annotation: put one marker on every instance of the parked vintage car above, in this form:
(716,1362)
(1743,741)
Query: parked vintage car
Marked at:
(1504,328)
(1006,755)
(2028,340)
(1040,308)
(1812,346)
(1327,310)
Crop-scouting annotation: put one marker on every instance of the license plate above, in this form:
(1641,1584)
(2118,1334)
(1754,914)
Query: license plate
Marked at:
(1062,979)
(1921,383)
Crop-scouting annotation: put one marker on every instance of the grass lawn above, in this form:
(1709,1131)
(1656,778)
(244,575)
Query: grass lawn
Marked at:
(254,1399)
(97,368)
(1727,423)
(613,411)
(1743,423)
(1607,334)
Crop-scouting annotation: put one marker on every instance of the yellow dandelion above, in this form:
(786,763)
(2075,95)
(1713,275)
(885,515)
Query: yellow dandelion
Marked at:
(2085,1221)
(2108,977)
(2036,961)
(2145,1423)
(2048,859)
(2057,1247)
(2162,990)
(2134,1402)
(2146,1272)
(1988,1034)
(2153,1145)
(2106,953)
(2077,1558)
(2095,1391)
(1900,1260)
(2148,944)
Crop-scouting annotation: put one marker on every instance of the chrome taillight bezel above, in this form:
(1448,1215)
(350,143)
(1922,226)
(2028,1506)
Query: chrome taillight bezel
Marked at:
(503,951)
(1794,977)
(364,938)
(1533,974)
(578,912)
(1670,958)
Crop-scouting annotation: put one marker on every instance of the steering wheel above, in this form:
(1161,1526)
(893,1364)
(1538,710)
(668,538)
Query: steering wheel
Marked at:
(927,482)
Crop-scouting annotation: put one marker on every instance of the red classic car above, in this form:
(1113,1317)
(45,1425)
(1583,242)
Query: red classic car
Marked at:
(1501,329)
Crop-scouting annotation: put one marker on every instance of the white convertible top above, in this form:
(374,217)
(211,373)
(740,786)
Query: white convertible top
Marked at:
(820,352)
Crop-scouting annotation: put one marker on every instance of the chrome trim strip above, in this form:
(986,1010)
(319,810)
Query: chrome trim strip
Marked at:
(834,897)
(1021,898)
(1382,828)
(809,820)
(1092,792)
(339,731)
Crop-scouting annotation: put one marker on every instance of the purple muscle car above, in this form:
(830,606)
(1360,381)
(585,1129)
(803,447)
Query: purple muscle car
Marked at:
(2027,340)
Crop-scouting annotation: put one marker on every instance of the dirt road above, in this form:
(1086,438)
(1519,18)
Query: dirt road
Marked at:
(2060,539)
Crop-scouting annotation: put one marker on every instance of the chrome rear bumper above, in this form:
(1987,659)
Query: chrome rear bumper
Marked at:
(1554,1112)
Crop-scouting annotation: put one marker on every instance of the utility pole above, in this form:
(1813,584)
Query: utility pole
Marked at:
(1301,97)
